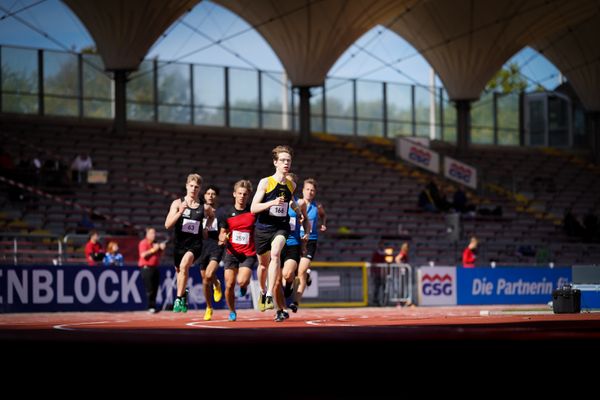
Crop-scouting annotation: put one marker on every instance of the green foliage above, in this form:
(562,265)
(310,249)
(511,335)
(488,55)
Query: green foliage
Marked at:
(507,80)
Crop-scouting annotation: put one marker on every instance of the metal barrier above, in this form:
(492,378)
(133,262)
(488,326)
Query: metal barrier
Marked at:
(30,248)
(392,284)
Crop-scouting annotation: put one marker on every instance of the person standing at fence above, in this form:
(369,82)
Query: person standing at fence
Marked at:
(93,249)
(112,257)
(402,257)
(236,225)
(377,271)
(317,222)
(470,254)
(185,216)
(271,202)
(212,252)
(149,258)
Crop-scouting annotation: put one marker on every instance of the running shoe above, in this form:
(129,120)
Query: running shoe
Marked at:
(294,307)
(261,302)
(269,303)
(279,316)
(180,305)
(217,292)
(208,314)
(285,314)
(232,316)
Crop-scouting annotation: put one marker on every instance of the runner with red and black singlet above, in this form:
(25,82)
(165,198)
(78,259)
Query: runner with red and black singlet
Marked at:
(185,216)
(236,225)
(271,202)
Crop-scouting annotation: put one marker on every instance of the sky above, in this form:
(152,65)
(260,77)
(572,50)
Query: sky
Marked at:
(50,24)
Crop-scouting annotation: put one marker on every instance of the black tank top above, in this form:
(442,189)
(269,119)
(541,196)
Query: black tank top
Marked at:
(188,228)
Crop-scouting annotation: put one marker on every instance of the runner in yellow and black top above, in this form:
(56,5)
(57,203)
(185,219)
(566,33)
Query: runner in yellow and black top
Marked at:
(271,202)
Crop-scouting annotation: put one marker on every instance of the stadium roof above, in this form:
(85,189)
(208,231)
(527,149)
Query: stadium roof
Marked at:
(465,41)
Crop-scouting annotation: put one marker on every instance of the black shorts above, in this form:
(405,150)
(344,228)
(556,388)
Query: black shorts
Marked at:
(178,254)
(235,261)
(211,251)
(311,249)
(290,253)
(264,237)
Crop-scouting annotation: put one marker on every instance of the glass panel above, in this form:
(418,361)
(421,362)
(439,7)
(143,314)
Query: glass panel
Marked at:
(60,106)
(60,84)
(508,119)
(370,128)
(316,109)
(174,95)
(558,121)
(537,123)
(340,125)
(369,108)
(482,125)
(399,110)
(243,98)
(449,120)
(422,107)
(209,116)
(579,135)
(276,101)
(339,98)
(97,88)
(140,93)
(19,80)
(209,86)
(176,114)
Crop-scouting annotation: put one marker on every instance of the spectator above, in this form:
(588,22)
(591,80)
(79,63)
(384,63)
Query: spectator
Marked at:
(93,249)
(150,253)
(402,257)
(80,166)
(113,257)
(427,198)
(460,201)
(470,254)
(381,255)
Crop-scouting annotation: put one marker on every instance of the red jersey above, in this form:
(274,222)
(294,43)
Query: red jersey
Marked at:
(151,260)
(240,225)
(468,258)
(91,248)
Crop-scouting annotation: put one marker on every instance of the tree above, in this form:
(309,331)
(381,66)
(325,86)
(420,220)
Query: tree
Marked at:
(507,80)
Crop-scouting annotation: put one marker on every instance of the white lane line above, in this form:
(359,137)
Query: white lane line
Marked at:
(71,327)
(207,325)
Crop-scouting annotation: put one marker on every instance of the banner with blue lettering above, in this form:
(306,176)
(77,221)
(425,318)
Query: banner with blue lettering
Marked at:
(81,288)
(509,285)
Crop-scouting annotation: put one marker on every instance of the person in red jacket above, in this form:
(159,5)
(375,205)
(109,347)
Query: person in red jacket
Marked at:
(93,250)
(150,253)
(470,254)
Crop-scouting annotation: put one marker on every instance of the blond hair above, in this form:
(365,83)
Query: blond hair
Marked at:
(243,183)
(194,177)
(311,181)
(281,149)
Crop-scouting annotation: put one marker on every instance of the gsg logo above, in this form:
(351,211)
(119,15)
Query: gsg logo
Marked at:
(437,285)
(420,156)
(459,172)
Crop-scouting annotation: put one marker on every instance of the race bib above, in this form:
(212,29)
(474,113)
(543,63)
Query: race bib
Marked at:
(238,237)
(292,223)
(279,211)
(190,226)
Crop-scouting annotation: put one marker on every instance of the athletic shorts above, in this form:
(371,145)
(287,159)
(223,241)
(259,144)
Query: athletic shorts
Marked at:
(264,237)
(235,261)
(178,254)
(311,249)
(290,253)
(211,251)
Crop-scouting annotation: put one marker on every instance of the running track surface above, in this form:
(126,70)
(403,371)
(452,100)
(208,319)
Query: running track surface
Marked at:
(462,324)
